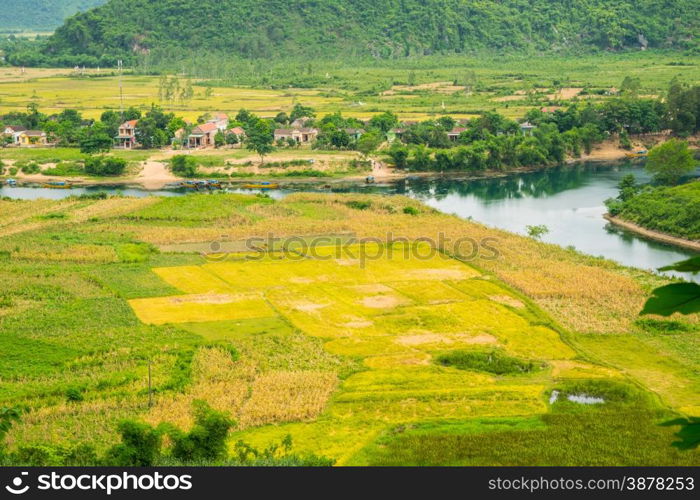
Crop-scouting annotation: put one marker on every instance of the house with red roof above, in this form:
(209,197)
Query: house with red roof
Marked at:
(127,135)
(203,135)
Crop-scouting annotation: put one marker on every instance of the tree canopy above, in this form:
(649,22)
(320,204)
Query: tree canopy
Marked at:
(167,29)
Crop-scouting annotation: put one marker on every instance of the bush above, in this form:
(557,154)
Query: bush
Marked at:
(411,211)
(493,361)
(105,166)
(207,438)
(140,446)
(74,394)
(359,205)
(183,165)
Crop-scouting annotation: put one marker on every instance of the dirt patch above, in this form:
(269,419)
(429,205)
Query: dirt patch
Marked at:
(308,307)
(155,175)
(358,323)
(507,300)
(566,93)
(383,301)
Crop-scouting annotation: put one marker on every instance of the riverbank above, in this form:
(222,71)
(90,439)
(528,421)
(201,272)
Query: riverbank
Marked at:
(654,235)
(151,172)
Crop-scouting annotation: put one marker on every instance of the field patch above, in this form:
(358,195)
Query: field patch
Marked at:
(196,308)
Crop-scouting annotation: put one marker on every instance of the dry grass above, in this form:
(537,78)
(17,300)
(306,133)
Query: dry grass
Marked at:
(283,396)
(216,379)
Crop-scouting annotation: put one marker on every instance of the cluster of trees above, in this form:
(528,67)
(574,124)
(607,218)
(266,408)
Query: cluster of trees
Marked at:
(673,210)
(492,141)
(133,29)
(489,142)
(142,445)
(156,128)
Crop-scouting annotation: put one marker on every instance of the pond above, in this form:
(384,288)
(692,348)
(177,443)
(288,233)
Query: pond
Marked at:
(569,201)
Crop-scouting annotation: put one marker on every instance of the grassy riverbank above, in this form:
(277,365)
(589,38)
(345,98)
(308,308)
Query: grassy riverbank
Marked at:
(674,211)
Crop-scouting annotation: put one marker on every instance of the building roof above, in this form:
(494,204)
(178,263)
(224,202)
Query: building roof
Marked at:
(456,131)
(308,130)
(353,131)
(284,131)
(129,124)
(527,125)
(34,133)
(205,128)
(16,128)
(237,131)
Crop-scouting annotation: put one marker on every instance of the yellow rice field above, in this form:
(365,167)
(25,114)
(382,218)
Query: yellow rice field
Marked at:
(393,313)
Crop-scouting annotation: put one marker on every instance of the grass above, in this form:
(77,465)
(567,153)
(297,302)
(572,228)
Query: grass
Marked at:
(491,362)
(338,348)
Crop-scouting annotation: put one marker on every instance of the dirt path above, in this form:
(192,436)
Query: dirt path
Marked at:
(155,175)
(654,235)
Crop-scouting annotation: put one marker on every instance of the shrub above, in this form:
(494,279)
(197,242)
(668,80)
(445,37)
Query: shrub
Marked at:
(207,438)
(37,456)
(359,205)
(74,394)
(411,211)
(140,446)
(493,361)
(105,166)
(183,165)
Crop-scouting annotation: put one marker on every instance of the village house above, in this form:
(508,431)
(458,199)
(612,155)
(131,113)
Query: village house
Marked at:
(13,132)
(203,135)
(13,129)
(127,135)
(301,135)
(29,138)
(239,133)
(527,128)
(454,134)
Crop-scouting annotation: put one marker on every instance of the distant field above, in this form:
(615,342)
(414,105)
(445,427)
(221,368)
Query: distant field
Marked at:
(414,88)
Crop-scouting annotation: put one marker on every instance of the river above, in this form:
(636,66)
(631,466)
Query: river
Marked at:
(569,201)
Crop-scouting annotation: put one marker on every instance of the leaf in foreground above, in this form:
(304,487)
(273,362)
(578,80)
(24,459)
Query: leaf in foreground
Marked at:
(691,265)
(683,298)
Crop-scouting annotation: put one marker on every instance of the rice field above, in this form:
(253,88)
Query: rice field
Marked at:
(338,345)
(416,90)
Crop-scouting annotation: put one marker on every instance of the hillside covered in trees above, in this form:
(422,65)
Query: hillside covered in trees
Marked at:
(42,14)
(168,29)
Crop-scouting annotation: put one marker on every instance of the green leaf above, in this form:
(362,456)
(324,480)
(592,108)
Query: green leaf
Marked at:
(691,265)
(683,298)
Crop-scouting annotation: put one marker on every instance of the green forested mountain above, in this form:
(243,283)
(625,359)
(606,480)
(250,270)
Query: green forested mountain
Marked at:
(388,28)
(41,14)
